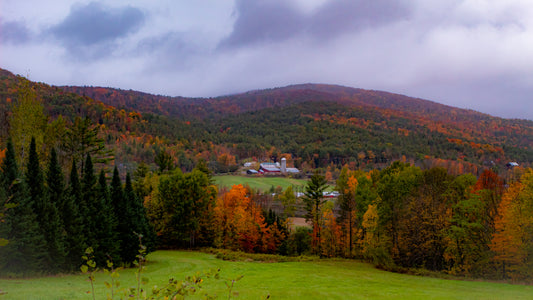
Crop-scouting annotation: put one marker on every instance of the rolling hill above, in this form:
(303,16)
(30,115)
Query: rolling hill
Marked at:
(318,125)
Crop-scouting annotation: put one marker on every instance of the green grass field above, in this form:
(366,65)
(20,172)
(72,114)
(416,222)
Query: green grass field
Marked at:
(263,183)
(325,279)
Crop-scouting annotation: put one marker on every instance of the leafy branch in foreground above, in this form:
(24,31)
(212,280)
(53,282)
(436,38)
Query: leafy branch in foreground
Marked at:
(89,267)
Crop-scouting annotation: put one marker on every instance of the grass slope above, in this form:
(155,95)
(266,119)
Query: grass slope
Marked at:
(325,279)
(263,183)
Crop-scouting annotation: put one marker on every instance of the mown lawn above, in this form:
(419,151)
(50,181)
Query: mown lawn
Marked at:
(326,279)
(263,183)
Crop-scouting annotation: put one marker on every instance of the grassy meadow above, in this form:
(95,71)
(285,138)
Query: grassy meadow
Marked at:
(263,183)
(324,279)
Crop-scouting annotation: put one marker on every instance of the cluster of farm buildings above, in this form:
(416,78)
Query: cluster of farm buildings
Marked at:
(271,168)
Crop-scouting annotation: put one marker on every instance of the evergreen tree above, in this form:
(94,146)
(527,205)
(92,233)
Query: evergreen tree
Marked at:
(24,254)
(132,219)
(88,197)
(34,179)
(70,209)
(82,140)
(47,212)
(138,220)
(313,199)
(127,241)
(106,223)
(55,180)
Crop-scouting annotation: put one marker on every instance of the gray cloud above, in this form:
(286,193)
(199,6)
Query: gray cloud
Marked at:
(14,32)
(271,21)
(264,21)
(169,51)
(97,27)
(337,17)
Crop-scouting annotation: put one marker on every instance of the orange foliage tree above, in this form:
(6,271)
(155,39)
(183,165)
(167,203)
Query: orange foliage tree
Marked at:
(240,225)
(512,242)
(347,187)
(331,235)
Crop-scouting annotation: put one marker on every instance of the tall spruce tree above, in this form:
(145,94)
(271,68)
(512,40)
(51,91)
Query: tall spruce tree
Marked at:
(34,179)
(55,189)
(71,213)
(47,213)
(127,241)
(106,223)
(131,219)
(89,200)
(313,199)
(139,219)
(26,250)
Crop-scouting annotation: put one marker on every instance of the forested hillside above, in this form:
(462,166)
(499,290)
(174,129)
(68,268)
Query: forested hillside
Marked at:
(313,125)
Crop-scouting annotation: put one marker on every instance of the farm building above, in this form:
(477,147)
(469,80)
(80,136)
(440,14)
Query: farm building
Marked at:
(276,168)
(511,165)
(269,168)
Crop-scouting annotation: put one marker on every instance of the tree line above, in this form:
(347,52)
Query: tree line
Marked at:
(400,217)
(404,217)
(50,221)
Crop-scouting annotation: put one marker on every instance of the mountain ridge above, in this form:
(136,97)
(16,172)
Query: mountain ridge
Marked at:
(332,122)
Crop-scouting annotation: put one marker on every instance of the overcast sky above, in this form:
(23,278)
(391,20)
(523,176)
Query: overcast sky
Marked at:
(475,54)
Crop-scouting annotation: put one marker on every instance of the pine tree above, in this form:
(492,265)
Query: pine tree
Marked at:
(88,197)
(106,223)
(47,213)
(127,241)
(34,179)
(314,198)
(55,180)
(24,253)
(55,192)
(139,219)
(70,210)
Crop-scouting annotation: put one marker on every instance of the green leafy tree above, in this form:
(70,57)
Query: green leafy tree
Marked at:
(395,184)
(288,199)
(184,202)
(27,121)
(465,246)
(424,220)
(163,160)
(202,167)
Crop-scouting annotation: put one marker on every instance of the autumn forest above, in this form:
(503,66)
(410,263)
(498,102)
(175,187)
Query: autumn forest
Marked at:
(420,185)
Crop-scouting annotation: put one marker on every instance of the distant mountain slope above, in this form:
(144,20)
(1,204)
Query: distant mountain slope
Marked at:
(316,123)
(473,126)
